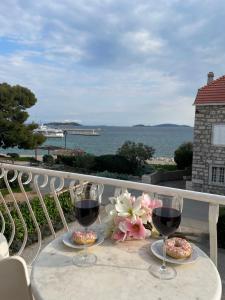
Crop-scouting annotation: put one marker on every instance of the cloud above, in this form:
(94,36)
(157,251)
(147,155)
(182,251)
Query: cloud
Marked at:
(142,41)
(111,61)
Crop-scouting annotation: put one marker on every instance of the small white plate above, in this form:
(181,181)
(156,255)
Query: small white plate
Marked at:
(157,250)
(67,240)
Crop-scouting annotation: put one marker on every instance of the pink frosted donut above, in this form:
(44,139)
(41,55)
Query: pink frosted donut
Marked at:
(178,248)
(83,238)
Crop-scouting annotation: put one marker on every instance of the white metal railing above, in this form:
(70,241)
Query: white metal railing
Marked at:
(74,181)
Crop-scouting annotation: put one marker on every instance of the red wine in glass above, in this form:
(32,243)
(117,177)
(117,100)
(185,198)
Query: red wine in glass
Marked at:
(86,212)
(166,220)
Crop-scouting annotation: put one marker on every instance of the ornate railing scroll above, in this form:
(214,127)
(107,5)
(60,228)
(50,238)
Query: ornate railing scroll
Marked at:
(56,182)
(7,183)
(37,189)
(3,220)
(21,184)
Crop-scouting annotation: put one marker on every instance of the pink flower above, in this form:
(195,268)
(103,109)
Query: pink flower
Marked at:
(120,232)
(145,200)
(128,229)
(135,229)
(150,203)
(119,235)
(155,203)
(147,205)
(118,220)
(130,215)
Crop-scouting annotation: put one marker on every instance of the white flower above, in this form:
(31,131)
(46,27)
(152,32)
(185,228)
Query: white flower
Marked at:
(108,220)
(110,213)
(127,206)
(146,216)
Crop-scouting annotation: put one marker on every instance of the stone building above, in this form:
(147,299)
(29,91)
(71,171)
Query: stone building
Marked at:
(208,169)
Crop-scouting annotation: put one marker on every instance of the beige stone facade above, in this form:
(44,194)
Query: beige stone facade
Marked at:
(208,169)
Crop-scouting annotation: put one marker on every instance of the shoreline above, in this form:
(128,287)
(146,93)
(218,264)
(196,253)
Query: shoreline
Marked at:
(161,160)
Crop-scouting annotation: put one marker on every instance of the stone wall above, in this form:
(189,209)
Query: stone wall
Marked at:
(162,176)
(205,154)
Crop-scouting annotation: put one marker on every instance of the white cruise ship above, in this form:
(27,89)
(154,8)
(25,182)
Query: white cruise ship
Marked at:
(49,132)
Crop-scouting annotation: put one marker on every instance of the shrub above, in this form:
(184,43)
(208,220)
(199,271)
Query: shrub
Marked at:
(34,161)
(114,175)
(147,169)
(48,159)
(114,163)
(13,155)
(67,208)
(2,184)
(83,162)
(136,152)
(183,155)
(67,160)
(164,168)
(221,228)
(14,184)
(90,163)
(24,158)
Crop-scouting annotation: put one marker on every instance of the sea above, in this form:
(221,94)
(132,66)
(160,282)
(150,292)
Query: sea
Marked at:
(164,140)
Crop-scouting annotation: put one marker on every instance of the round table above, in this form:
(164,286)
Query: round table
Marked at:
(121,273)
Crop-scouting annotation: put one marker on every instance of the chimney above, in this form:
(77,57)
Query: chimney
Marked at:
(210,77)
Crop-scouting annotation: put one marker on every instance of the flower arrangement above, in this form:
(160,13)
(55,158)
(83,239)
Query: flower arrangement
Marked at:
(129,217)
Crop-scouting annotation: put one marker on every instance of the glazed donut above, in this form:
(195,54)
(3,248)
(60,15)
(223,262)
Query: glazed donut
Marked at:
(178,248)
(83,238)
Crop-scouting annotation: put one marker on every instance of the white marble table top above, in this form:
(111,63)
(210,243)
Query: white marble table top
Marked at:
(121,273)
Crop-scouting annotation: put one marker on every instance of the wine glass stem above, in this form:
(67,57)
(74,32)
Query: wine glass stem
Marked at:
(85,245)
(163,267)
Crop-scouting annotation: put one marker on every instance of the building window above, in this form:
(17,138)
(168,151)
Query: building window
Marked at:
(214,171)
(217,175)
(221,176)
(218,135)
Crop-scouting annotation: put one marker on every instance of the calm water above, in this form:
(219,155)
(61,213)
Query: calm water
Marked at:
(164,139)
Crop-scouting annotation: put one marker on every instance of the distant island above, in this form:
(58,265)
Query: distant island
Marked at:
(161,125)
(170,125)
(63,124)
(56,124)
(140,125)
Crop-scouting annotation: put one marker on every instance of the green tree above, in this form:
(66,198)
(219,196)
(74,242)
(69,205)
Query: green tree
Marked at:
(14,101)
(136,152)
(48,159)
(114,163)
(183,155)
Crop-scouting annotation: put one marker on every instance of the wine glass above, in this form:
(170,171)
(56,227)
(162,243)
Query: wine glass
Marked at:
(166,217)
(86,208)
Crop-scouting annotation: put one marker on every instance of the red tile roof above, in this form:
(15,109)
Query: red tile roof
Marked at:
(212,93)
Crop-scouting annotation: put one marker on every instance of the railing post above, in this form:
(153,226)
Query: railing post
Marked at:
(213,219)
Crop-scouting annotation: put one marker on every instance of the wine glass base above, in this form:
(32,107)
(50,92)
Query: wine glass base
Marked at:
(162,273)
(85,260)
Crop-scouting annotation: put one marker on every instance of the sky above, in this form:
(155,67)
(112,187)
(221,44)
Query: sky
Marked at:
(112,62)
